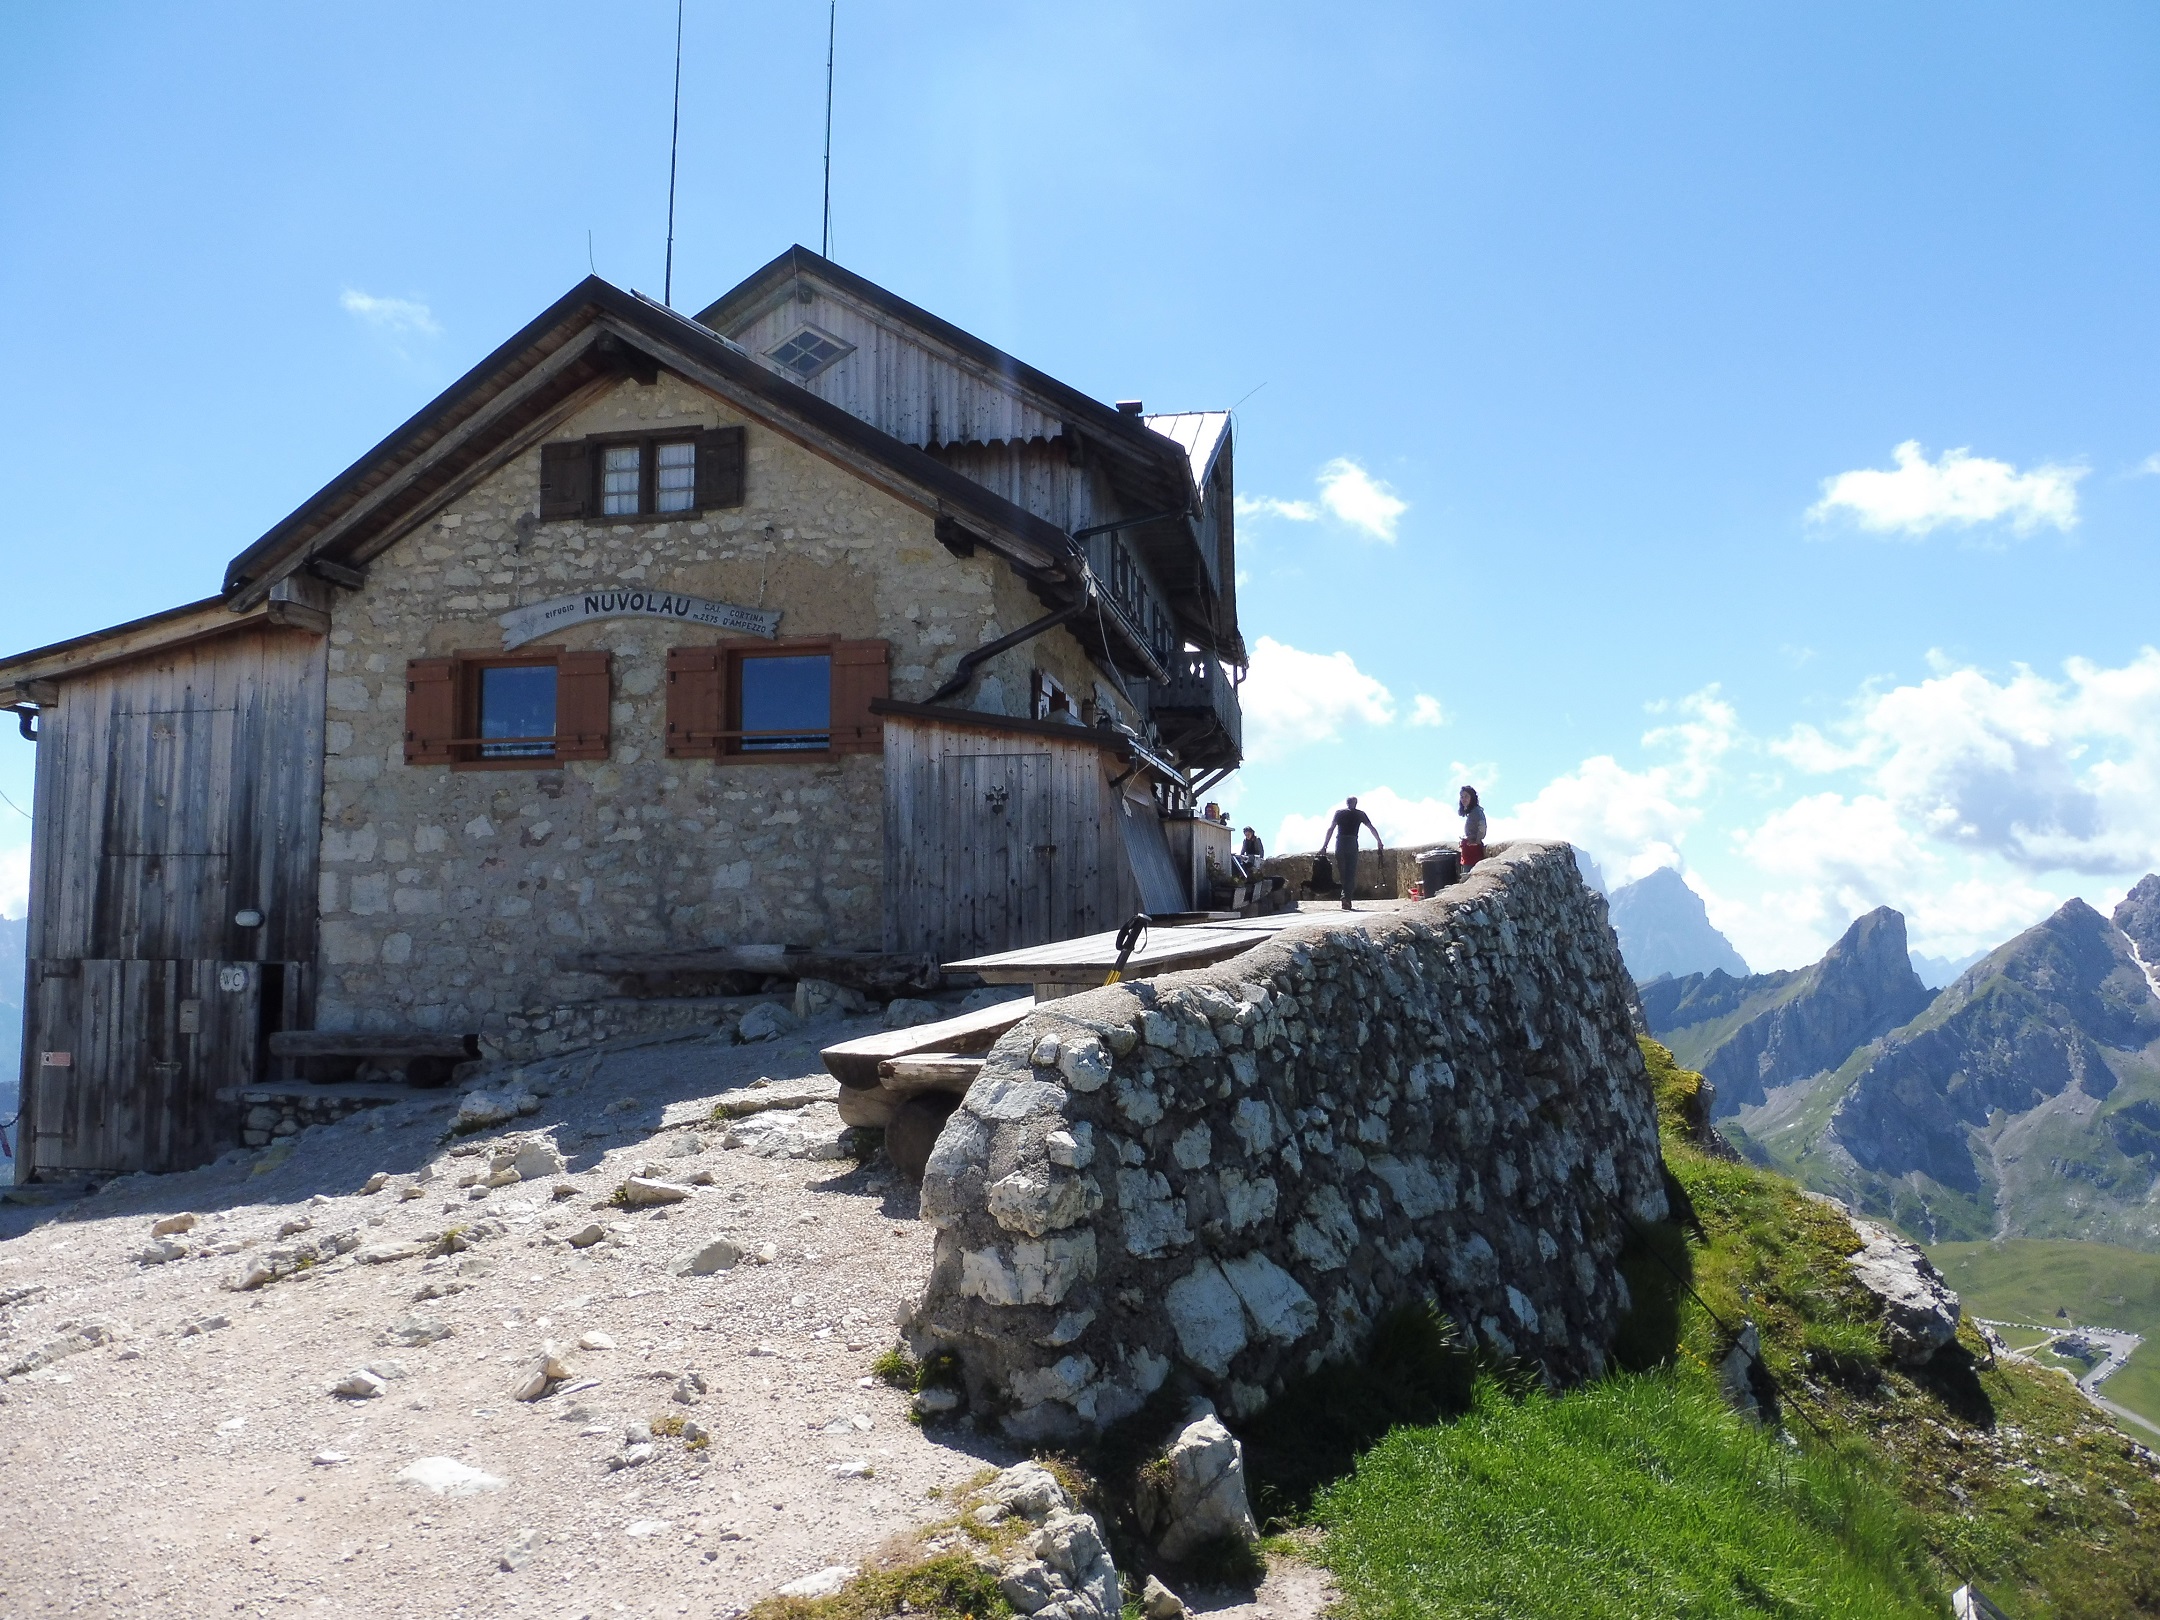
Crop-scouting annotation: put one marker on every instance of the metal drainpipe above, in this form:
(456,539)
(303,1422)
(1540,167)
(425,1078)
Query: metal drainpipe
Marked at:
(969,662)
(25,720)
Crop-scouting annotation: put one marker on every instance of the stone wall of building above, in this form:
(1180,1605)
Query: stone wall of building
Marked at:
(447,896)
(1235,1171)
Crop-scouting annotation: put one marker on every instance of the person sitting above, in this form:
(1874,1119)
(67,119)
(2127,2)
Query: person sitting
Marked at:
(1343,831)
(1473,831)
(1250,854)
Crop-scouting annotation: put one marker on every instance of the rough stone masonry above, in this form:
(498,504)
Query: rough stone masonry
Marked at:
(1236,1171)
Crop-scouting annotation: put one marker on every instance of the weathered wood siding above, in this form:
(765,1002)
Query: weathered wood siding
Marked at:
(994,842)
(905,383)
(172,795)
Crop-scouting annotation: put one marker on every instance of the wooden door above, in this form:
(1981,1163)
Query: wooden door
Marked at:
(998,857)
(138,1063)
(172,895)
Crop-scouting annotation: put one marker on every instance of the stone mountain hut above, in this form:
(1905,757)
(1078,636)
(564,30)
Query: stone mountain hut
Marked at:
(656,657)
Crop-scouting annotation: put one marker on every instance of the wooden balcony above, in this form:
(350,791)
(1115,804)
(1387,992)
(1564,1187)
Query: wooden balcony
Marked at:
(1197,712)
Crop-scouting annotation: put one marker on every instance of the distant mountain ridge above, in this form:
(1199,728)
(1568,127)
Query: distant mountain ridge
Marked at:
(1663,929)
(1750,1035)
(2023,1101)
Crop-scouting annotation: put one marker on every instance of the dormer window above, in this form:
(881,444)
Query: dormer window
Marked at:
(807,352)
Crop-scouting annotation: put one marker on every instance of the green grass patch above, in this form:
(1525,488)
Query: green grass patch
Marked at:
(1880,1489)
(2030,1279)
(948,1588)
(1636,1498)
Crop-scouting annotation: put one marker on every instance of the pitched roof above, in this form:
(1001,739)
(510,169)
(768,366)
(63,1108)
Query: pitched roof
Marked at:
(582,344)
(1114,429)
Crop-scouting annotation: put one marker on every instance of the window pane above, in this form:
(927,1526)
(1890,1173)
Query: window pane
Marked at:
(675,478)
(518,700)
(790,699)
(619,480)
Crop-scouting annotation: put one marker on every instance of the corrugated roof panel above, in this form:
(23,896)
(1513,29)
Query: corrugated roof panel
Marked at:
(1198,433)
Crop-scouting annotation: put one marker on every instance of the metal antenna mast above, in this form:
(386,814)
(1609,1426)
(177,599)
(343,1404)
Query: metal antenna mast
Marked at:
(667,284)
(832,28)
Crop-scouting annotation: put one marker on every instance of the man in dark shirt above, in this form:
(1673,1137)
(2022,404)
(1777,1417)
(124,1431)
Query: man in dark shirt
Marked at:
(1250,854)
(1343,832)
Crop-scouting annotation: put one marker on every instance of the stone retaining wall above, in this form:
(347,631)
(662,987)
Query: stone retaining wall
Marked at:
(1236,1171)
(269,1112)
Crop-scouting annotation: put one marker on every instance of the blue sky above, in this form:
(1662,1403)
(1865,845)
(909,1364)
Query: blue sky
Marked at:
(1555,332)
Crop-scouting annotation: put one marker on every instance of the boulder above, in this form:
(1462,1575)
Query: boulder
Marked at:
(481,1109)
(1203,1498)
(543,1375)
(446,1476)
(814,998)
(1920,1311)
(359,1385)
(1063,1571)
(537,1159)
(822,1583)
(720,1254)
(767,1021)
(1158,1602)
(647,1192)
(902,1012)
(172,1225)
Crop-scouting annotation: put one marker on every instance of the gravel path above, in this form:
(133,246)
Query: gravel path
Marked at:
(170,1472)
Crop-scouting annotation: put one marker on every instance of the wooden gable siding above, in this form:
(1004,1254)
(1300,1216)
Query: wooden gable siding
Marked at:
(994,842)
(902,382)
(1040,478)
(172,794)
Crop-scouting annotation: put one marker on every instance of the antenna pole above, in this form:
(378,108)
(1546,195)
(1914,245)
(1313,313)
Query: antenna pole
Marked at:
(667,284)
(832,28)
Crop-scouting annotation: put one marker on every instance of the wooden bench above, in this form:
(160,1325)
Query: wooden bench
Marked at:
(422,1057)
(855,1063)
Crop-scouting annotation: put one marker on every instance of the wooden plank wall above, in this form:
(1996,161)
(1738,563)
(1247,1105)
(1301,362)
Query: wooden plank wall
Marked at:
(996,842)
(912,388)
(172,794)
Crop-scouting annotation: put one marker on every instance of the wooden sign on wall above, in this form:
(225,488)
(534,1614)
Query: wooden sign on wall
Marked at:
(537,619)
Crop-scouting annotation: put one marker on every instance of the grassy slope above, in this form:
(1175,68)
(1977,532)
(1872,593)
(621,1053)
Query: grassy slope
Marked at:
(1642,1486)
(2029,1279)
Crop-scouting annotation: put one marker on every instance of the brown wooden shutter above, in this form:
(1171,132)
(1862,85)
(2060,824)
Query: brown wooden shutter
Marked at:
(861,670)
(430,710)
(720,458)
(696,701)
(581,705)
(565,481)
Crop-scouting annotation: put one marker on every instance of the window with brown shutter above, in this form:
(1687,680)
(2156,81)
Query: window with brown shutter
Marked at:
(633,476)
(565,481)
(524,710)
(431,710)
(720,457)
(776,701)
(696,701)
(861,672)
(581,705)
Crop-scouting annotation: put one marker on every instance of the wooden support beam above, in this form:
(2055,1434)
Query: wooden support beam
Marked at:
(351,579)
(928,1071)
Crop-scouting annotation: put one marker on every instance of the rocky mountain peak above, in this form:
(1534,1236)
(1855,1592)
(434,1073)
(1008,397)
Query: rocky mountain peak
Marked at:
(2139,917)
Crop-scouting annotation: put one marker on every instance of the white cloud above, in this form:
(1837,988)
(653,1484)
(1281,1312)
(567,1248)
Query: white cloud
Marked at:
(1961,490)
(2044,773)
(404,316)
(1348,493)
(15,881)
(1291,698)
(1270,506)
(1632,822)
(1425,710)
(1360,500)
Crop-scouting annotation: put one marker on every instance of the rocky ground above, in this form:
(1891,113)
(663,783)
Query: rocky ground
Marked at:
(170,1444)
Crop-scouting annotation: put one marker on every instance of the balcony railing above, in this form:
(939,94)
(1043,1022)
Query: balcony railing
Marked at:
(1197,711)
